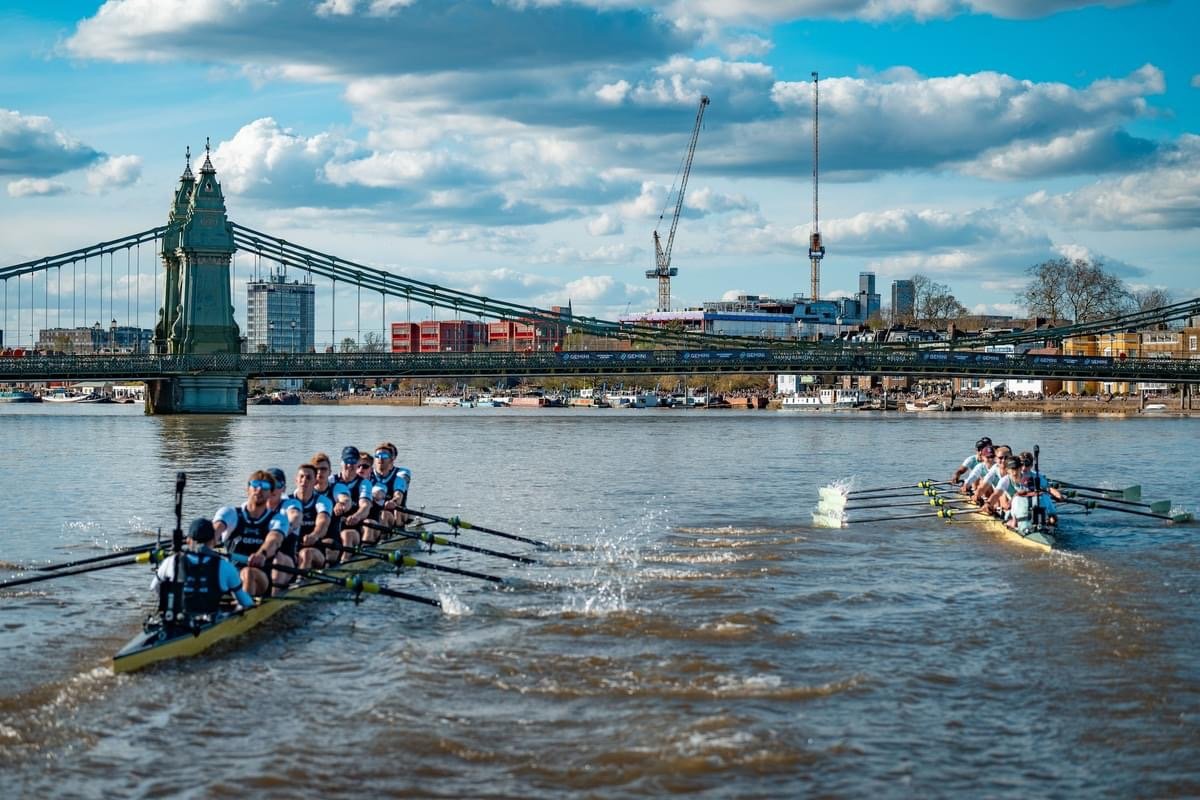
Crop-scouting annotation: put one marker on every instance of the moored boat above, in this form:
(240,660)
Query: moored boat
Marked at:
(924,405)
(18,396)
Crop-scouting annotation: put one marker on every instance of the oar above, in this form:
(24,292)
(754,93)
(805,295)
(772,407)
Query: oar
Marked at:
(921,485)
(356,584)
(143,548)
(1184,516)
(933,501)
(430,538)
(1158,506)
(400,560)
(152,557)
(1129,493)
(457,522)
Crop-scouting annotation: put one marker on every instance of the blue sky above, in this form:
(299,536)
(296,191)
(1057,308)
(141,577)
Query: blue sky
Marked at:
(524,150)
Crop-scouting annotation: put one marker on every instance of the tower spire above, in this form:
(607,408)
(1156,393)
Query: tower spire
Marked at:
(208,167)
(187,165)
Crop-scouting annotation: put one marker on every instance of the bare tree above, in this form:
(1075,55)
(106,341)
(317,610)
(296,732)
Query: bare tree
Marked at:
(933,303)
(373,342)
(1077,289)
(1151,299)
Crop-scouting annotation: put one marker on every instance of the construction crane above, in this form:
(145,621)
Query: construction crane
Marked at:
(663,270)
(816,250)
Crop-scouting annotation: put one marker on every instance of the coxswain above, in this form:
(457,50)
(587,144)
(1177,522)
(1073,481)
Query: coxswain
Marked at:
(969,462)
(314,512)
(190,588)
(1027,498)
(253,533)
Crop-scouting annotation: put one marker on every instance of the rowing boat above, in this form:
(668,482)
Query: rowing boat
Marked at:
(831,512)
(1042,537)
(157,644)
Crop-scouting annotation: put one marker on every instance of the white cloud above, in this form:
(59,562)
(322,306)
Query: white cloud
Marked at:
(32,145)
(1196,81)
(36,187)
(1164,196)
(733,294)
(605,225)
(115,172)
(991,122)
(877,10)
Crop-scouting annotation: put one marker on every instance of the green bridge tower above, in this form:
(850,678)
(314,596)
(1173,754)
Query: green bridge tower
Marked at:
(196,316)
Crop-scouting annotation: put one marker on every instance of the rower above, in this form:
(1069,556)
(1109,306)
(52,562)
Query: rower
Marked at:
(190,587)
(986,458)
(340,505)
(969,462)
(991,479)
(355,471)
(392,478)
(313,512)
(1000,501)
(253,533)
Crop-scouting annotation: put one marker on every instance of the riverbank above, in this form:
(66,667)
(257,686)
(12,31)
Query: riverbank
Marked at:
(1055,406)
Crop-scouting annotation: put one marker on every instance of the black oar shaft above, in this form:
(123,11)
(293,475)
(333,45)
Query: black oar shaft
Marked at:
(145,548)
(355,583)
(401,560)
(142,558)
(458,522)
(922,485)
(430,538)
(1094,504)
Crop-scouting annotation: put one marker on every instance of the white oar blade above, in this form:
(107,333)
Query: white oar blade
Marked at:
(825,520)
(831,494)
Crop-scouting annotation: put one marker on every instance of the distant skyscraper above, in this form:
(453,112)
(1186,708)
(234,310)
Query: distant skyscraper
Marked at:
(904,297)
(280,316)
(868,300)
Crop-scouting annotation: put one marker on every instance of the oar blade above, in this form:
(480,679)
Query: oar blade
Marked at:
(1131,493)
(1160,507)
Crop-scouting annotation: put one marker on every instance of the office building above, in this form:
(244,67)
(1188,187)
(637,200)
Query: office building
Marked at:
(904,299)
(280,316)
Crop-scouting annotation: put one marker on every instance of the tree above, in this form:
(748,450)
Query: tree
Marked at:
(933,304)
(1076,289)
(349,345)
(373,343)
(1151,299)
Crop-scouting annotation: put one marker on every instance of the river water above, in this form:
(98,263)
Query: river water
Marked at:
(695,635)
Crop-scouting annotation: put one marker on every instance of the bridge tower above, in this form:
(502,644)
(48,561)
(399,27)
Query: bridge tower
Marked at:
(197,313)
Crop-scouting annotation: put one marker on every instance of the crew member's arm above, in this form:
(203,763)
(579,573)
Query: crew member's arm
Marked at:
(230,580)
(318,529)
(364,509)
(224,522)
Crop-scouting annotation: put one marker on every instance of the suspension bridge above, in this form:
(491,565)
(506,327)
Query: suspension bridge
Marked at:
(179,279)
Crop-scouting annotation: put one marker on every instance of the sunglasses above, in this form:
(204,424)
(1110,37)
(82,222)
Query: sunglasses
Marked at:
(266,486)
(384,455)
(364,466)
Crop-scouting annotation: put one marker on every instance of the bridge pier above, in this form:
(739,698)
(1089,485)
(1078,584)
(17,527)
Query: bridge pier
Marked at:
(197,394)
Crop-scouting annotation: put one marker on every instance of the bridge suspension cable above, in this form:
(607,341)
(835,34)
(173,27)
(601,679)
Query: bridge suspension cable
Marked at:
(390,284)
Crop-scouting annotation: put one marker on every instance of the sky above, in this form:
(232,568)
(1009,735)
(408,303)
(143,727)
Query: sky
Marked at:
(525,149)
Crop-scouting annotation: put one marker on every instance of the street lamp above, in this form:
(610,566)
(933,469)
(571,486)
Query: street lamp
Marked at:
(293,336)
(271,336)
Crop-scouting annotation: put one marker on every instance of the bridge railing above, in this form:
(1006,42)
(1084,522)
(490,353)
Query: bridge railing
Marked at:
(826,360)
